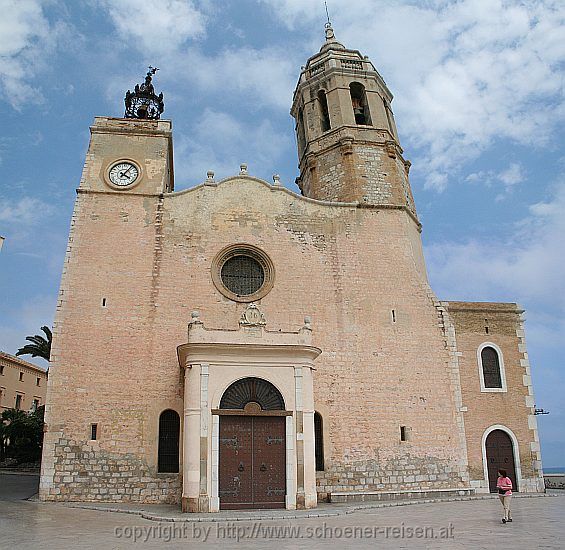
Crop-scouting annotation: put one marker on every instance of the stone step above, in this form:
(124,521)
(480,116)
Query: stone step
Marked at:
(368,496)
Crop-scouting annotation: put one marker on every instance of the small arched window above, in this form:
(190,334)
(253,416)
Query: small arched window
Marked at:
(300,132)
(324,113)
(169,431)
(319,441)
(359,103)
(490,363)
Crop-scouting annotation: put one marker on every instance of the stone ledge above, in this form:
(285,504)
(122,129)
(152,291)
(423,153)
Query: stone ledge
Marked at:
(366,496)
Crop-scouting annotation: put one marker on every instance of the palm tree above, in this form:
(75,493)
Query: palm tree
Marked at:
(39,347)
(21,434)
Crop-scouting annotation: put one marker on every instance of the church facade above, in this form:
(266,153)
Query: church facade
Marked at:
(237,345)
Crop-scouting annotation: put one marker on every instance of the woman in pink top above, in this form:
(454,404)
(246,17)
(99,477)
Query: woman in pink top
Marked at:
(504,485)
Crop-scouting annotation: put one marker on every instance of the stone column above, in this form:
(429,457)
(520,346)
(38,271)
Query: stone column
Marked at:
(299,422)
(191,440)
(310,492)
(290,465)
(204,501)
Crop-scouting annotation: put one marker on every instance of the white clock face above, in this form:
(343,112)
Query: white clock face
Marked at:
(123,174)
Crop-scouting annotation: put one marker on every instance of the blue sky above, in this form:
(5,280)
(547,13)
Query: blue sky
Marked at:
(479,105)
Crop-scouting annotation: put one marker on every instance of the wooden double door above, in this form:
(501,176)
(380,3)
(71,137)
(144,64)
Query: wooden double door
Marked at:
(252,462)
(500,455)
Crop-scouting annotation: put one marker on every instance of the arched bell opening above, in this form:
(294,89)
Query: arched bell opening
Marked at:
(325,122)
(360,104)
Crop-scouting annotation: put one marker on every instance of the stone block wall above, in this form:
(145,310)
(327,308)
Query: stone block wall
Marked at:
(501,324)
(403,473)
(85,472)
(348,268)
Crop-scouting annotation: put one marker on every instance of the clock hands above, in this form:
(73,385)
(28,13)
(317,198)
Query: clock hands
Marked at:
(124,174)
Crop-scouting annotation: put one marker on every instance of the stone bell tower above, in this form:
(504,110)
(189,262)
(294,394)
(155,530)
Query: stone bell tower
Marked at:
(348,146)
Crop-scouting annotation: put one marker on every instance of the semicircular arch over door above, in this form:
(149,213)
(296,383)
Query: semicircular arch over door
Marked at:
(500,454)
(252,390)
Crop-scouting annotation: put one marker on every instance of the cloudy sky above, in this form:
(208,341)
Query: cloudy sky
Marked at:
(479,105)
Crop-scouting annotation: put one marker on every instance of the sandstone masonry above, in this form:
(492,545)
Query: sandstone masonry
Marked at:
(381,380)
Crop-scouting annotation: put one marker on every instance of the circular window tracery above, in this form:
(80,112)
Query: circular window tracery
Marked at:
(243,273)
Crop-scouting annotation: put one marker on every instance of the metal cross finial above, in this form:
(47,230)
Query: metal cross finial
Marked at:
(152,69)
(328,26)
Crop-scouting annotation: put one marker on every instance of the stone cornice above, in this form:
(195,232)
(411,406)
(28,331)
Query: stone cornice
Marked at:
(127,126)
(268,355)
(481,307)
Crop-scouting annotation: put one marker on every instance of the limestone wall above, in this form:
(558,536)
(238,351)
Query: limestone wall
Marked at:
(150,258)
(499,324)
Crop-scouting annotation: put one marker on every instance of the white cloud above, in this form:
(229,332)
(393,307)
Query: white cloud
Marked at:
(526,267)
(221,143)
(512,175)
(465,73)
(156,26)
(26,41)
(508,178)
(266,76)
(19,217)
(294,12)
(25,211)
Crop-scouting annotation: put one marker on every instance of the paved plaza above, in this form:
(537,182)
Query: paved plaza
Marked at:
(539,522)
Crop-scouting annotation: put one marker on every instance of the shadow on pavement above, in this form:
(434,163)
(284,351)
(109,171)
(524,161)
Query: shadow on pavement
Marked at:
(18,486)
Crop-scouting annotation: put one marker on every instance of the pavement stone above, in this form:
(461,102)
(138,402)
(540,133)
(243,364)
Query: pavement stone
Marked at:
(449,524)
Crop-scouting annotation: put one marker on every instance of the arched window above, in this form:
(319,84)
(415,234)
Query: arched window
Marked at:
(324,113)
(319,441)
(359,102)
(169,430)
(490,364)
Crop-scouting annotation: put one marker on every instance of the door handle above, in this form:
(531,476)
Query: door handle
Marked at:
(241,467)
(263,467)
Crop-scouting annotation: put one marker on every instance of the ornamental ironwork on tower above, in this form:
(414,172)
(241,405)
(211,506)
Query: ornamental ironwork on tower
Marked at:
(143,103)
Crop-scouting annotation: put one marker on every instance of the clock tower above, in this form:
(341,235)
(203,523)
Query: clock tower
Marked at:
(134,154)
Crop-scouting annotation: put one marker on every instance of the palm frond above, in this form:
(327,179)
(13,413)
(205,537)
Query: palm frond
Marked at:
(48,333)
(39,347)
